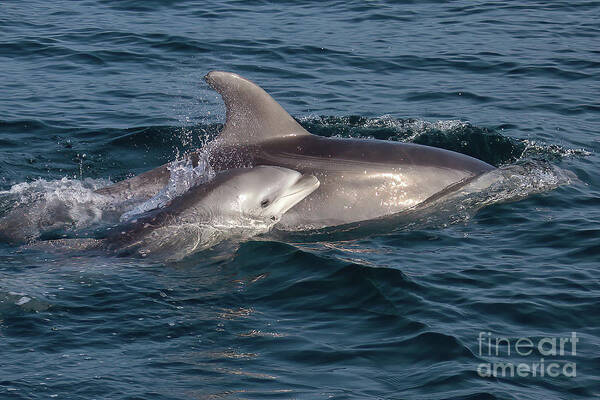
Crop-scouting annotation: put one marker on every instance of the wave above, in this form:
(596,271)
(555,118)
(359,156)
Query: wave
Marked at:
(14,302)
(29,209)
(487,144)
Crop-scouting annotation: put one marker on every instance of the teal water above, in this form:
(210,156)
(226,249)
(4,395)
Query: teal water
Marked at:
(102,90)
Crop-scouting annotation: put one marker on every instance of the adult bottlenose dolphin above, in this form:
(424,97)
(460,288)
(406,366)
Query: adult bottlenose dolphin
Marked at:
(236,203)
(360,178)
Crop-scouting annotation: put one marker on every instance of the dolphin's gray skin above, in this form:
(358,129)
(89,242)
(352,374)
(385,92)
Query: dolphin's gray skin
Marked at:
(360,179)
(237,203)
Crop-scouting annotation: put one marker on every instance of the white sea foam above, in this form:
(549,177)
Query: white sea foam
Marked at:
(183,176)
(33,207)
(506,184)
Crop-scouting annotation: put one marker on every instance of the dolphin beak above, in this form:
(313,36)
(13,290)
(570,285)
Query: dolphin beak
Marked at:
(305,185)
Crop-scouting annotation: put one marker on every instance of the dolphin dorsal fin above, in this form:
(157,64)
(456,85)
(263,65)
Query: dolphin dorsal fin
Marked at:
(252,114)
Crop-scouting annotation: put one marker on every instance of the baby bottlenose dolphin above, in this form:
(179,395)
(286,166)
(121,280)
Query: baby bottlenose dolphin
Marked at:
(237,203)
(360,179)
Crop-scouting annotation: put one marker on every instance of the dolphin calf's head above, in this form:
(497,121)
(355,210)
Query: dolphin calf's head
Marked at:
(261,193)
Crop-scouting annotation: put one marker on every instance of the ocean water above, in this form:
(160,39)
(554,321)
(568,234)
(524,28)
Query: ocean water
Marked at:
(100,90)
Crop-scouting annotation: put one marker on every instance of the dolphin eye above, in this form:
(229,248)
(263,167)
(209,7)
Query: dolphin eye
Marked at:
(265,203)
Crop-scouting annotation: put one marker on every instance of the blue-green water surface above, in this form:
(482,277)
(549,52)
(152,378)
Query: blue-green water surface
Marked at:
(106,89)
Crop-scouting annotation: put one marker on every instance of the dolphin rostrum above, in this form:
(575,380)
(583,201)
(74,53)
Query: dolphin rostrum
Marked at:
(359,179)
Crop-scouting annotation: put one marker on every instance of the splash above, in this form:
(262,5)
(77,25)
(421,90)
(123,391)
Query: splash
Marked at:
(552,151)
(506,184)
(503,185)
(183,176)
(520,180)
(175,242)
(31,208)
